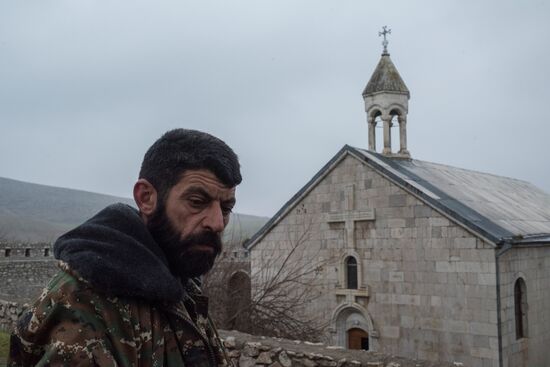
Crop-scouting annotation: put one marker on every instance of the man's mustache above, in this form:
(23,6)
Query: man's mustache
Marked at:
(207,238)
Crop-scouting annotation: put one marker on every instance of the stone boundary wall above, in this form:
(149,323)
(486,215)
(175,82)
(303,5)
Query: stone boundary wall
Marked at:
(247,350)
(23,250)
(23,280)
(9,312)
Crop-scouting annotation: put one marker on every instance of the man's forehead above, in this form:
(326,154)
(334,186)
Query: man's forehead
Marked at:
(193,179)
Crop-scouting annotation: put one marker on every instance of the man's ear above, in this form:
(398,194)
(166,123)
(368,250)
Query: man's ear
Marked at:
(145,196)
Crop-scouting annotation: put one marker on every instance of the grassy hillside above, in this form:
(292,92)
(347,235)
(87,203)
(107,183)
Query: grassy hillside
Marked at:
(34,213)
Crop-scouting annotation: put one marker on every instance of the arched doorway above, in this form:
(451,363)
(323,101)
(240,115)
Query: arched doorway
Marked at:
(238,301)
(352,326)
(358,339)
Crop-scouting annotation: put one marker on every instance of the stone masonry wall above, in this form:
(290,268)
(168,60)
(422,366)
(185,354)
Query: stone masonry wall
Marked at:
(533,265)
(25,270)
(426,285)
(9,312)
(246,350)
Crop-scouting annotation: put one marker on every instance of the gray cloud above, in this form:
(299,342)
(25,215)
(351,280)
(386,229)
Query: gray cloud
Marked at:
(86,87)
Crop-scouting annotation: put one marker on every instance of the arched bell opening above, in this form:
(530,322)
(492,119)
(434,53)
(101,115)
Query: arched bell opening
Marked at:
(375,124)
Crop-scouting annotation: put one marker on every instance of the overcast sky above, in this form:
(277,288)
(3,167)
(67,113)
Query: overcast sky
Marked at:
(86,86)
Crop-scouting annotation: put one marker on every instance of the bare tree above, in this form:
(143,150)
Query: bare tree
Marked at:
(224,285)
(284,290)
(229,294)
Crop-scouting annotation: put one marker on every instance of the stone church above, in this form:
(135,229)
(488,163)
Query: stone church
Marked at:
(419,259)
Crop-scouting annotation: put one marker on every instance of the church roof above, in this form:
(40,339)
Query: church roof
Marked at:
(385,78)
(495,207)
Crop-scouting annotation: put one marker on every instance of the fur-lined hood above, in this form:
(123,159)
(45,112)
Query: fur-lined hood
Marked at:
(115,253)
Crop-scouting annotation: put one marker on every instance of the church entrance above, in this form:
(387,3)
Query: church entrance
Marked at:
(358,339)
(353,328)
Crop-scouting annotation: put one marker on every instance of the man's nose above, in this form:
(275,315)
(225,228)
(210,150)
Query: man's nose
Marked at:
(214,218)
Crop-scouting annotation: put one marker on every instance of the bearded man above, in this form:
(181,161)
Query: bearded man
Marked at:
(127,293)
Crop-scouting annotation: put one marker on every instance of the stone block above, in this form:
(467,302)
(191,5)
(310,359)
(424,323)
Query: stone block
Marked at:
(422,211)
(397,223)
(457,326)
(234,353)
(407,299)
(438,222)
(396,276)
(484,353)
(436,232)
(304,362)
(390,332)
(480,341)
(230,342)
(493,343)
(264,358)
(468,242)
(482,328)
(251,350)
(445,266)
(397,233)
(486,278)
(407,322)
(246,361)
(438,254)
(435,301)
(468,267)
(325,363)
(398,200)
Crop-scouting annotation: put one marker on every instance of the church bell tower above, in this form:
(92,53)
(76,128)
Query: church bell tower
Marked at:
(387,101)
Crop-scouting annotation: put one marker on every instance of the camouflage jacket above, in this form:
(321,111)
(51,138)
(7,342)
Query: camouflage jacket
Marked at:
(115,303)
(73,325)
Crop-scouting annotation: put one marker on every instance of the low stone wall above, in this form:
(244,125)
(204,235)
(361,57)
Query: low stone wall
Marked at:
(25,269)
(246,350)
(9,312)
(23,280)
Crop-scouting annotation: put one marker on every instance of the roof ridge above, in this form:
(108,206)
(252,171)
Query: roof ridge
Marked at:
(455,167)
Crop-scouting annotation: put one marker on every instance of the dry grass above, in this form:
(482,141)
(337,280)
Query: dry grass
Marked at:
(4,345)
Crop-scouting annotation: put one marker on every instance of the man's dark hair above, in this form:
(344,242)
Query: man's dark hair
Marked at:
(180,150)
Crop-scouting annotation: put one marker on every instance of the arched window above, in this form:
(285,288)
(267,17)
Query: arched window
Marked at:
(520,306)
(351,273)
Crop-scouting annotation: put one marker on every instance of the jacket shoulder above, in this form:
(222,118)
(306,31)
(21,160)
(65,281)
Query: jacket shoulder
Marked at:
(61,326)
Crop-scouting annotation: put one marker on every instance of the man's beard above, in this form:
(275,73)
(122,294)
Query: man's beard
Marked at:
(184,259)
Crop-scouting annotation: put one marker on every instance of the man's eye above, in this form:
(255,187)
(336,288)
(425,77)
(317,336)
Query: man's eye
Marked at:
(226,210)
(197,203)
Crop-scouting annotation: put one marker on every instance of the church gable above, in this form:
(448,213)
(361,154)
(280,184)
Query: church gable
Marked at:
(391,264)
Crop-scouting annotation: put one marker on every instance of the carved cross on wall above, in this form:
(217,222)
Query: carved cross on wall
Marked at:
(349,216)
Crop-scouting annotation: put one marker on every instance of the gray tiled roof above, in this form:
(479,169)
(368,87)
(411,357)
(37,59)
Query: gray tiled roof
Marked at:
(385,78)
(499,208)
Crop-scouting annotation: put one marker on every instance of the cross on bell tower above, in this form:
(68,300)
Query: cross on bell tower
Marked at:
(387,101)
(385,31)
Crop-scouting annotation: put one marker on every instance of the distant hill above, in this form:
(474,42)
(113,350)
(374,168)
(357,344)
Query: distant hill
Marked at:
(36,213)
